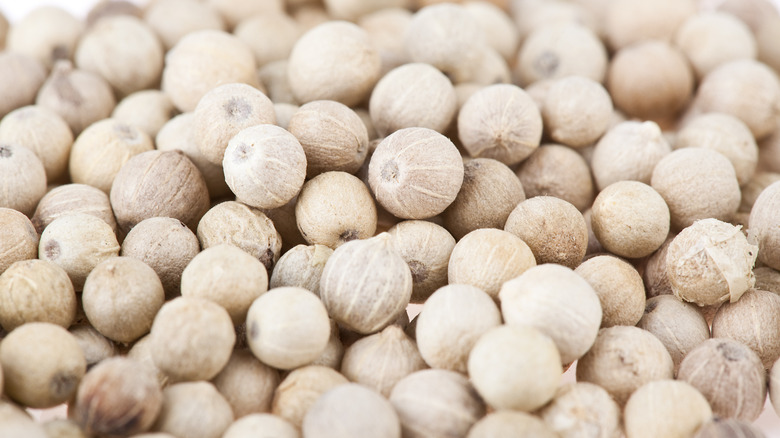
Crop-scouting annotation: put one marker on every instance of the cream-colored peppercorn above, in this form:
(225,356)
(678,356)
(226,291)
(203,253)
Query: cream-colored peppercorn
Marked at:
(274,77)
(101,150)
(301,388)
(15,421)
(334,351)
(539,297)
(486,258)
(284,113)
(451,322)
(203,60)
(352,10)
(95,346)
(773,382)
(500,31)
(559,171)
(109,8)
(680,326)
(194,410)
(426,248)
(47,33)
(191,16)
(147,110)
(633,21)
(666,408)
(554,229)
(271,36)
(18,238)
(489,193)
(247,384)
(334,208)
(36,291)
(78,96)
(560,50)
(127,67)
(287,327)
(762,230)
(22,78)
(714,38)
(234,11)
(622,359)
(118,397)
(718,427)
(619,288)
(745,89)
(752,321)
(73,198)
(415,173)
(333,61)
(630,219)
(351,411)
(366,284)
(412,95)
(42,131)
(301,266)
(42,365)
(121,298)
(383,27)
(60,428)
(506,376)
(436,403)
(696,183)
(270,425)
(22,178)
(166,245)
(753,188)
(500,122)
(508,423)
(191,339)
(582,409)
(710,262)
(332,135)
(77,243)
(576,111)
(767,279)
(729,375)
(139,191)
(242,226)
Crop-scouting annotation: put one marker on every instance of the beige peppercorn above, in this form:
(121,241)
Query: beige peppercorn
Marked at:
(576,111)
(247,384)
(762,229)
(271,36)
(194,410)
(666,408)
(351,411)
(752,321)
(334,208)
(559,171)
(47,34)
(753,188)
(22,178)
(73,198)
(147,110)
(508,423)
(714,38)
(383,27)
(333,137)
(301,266)
(23,76)
(36,291)
(274,77)
(95,346)
(554,229)
(270,425)
(582,409)
(655,275)
(728,427)
(191,16)
(767,279)
(118,397)
(500,122)
(486,258)
(77,243)
(140,192)
(301,388)
(42,365)
(191,339)
(234,11)
(632,21)
(619,288)
(78,96)
(18,238)
(60,428)
(729,375)
(17,422)
(101,150)
(121,298)
(334,351)
(622,359)
(109,8)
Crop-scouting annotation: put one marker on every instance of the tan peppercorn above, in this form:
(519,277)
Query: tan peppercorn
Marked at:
(203,60)
(194,410)
(729,375)
(73,198)
(190,16)
(301,388)
(714,38)
(271,36)
(412,95)
(77,243)
(666,408)
(710,262)
(47,33)
(582,409)
(18,238)
(696,183)
(332,135)
(191,339)
(333,61)
(301,266)
(500,122)
(42,131)
(773,381)
(121,298)
(767,279)
(22,178)
(383,27)
(36,291)
(486,258)
(22,77)
(101,150)
(559,171)
(622,359)
(426,248)
(42,365)
(728,427)
(118,397)
(554,229)
(140,192)
(753,188)
(508,423)
(632,21)
(619,288)
(752,321)
(334,208)
(247,384)
(762,230)
(628,151)
(95,346)
(271,425)
(351,411)
(147,110)
(61,428)
(576,111)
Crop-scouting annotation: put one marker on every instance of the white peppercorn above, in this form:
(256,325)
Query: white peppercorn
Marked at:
(194,410)
(274,77)
(752,321)
(728,427)
(582,409)
(18,238)
(22,78)
(629,22)
(714,38)
(95,346)
(190,16)
(301,388)
(508,423)
(267,424)
(234,11)
(619,288)
(655,275)
(22,178)
(665,408)
(767,279)
(576,111)
(334,351)
(559,171)
(284,113)
(762,228)
(15,421)
(247,384)
(351,411)
(271,36)
(46,33)
(301,266)
(147,110)
(36,291)
(753,188)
